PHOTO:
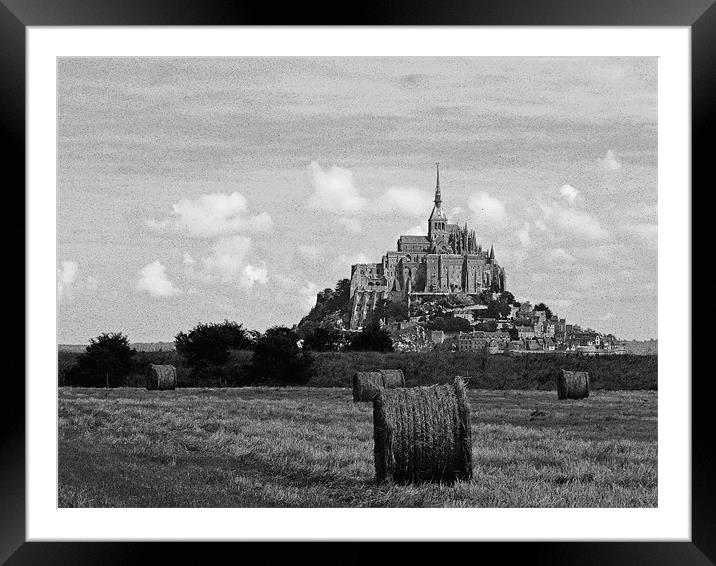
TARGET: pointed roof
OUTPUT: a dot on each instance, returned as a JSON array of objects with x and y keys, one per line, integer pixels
[
  {"x": 492, "y": 252},
  {"x": 437, "y": 213}
]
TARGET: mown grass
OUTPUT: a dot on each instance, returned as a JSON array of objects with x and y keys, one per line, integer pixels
[{"x": 313, "y": 447}]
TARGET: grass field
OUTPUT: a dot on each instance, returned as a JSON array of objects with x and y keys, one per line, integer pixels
[{"x": 313, "y": 447}]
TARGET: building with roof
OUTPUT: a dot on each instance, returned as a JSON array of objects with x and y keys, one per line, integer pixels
[{"x": 447, "y": 260}]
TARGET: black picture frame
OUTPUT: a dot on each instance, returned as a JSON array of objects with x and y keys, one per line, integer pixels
[{"x": 699, "y": 15}]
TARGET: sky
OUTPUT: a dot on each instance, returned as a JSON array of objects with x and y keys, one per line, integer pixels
[{"x": 202, "y": 189}]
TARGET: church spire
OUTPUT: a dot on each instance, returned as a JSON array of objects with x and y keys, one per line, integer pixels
[
  {"x": 437, "y": 223},
  {"x": 438, "y": 197}
]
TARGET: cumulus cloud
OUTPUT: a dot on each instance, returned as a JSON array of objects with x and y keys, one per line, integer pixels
[
  {"x": 342, "y": 261},
  {"x": 486, "y": 209},
  {"x": 212, "y": 215},
  {"x": 308, "y": 294},
  {"x": 408, "y": 201},
  {"x": 66, "y": 276},
  {"x": 253, "y": 274},
  {"x": 610, "y": 161},
  {"x": 569, "y": 193},
  {"x": 227, "y": 263},
  {"x": 523, "y": 234},
  {"x": 153, "y": 279},
  {"x": 557, "y": 255},
  {"x": 334, "y": 190},
  {"x": 573, "y": 221}
]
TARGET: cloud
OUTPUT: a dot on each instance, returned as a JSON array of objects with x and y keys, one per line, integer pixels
[
  {"x": 569, "y": 193},
  {"x": 227, "y": 263},
  {"x": 486, "y": 209},
  {"x": 308, "y": 294},
  {"x": 254, "y": 274},
  {"x": 212, "y": 215},
  {"x": 573, "y": 221},
  {"x": 346, "y": 261},
  {"x": 153, "y": 280},
  {"x": 404, "y": 200},
  {"x": 558, "y": 255},
  {"x": 607, "y": 316},
  {"x": 610, "y": 161},
  {"x": 523, "y": 234},
  {"x": 352, "y": 225},
  {"x": 66, "y": 276},
  {"x": 334, "y": 190}
]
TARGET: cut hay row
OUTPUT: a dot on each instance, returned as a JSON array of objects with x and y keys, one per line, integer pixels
[
  {"x": 366, "y": 384},
  {"x": 423, "y": 434},
  {"x": 161, "y": 377},
  {"x": 572, "y": 384}
]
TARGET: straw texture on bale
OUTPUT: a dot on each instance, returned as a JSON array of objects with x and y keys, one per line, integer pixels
[
  {"x": 572, "y": 384},
  {"x": 392, "y": 378},
  {"x": 161, "y": 377},
  {"x": 422, "y": 434},
  {"x": 366, "y": 385}
]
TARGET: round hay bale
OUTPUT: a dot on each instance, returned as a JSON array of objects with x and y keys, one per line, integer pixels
[
  {"x": 422, "y": 434},
  {"x": 392, "y": 378},
  {"x": 366, "y": 385},
  {"x": 161, "y": 378},
  {"x": 572, "y": 384}
]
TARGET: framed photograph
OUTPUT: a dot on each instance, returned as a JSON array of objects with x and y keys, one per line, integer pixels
[{"x": 400, "y": 278}]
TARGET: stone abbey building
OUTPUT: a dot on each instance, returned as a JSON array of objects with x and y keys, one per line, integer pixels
[{"x": 447, "y": 260}]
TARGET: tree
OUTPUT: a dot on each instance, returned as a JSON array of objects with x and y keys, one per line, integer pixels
[
  {"x": 278, "y": 359},
  {"x": 321, "y": 339},
  {"x": 210, "y": 343},
  {"x": 496, "y": 309},
  {"x": 371, "y": 338},
  {"x": 106, "y": 362},
  {"x": 387, "y": 311},
  {"x": 543, "y": 307}
]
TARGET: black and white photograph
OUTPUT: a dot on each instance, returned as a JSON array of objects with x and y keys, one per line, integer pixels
[{"x": 357, "y": 282}]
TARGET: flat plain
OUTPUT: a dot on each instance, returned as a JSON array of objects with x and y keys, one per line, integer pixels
[{"x": 313, "y": 447}]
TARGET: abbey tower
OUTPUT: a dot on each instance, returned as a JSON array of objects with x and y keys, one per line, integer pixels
[{"x": 447, "y": 260}]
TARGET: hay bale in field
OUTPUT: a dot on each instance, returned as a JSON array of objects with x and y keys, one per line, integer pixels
[
  {"x": 161, "y": 377},
  {"x": 392, "y": 378},
  {"x": 366, "y": 385},
  {"x": 572, "y": 384},
  {"x": 423, "y": 434}
]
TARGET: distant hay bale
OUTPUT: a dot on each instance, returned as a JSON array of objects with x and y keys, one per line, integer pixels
[
  {"x": 366, "y": 385},
  {"x": 572, "y": 384},
  {"x": 392, "y": 378},
  {"x": 422, "y": 434},
  {"x": 161, "y": 377}
]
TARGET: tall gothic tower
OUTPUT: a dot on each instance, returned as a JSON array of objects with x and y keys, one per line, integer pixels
[{"x": 437, "y": 223}]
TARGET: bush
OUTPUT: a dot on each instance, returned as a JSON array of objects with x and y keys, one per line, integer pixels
[
  {"x": 371, "y": 338},
  {"x": 106, "y": 362},
  {"x": 210, "y": 343},
  {"x": 278, "y": 359},
  {"x": 335, "y": 369}
]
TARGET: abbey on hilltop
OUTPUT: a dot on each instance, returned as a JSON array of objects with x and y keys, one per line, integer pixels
[{"x": 447, "y": 260}]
